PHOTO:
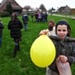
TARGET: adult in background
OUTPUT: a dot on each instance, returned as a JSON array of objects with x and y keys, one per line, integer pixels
[
  {"x": 25, "y": 20},
  {"x": 44, "y": 17},
  {"x": 32, "y": 16},
  {"x": 36, "y": 16},
  {"x": 15, "y": 27}
]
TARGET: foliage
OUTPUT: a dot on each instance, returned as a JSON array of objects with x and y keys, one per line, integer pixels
[
  {"x": 5, "y": 14},
  {"x": 50, "y": 10},
  {"x": 42, "y": 7},
  {"x": 22, "y": 64},
  {"x": 9, "y": 8},
  {"x": 27, "y": 8}
]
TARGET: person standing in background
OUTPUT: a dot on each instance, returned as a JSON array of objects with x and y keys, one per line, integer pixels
[
  {"x": 15, "y": 27},
  {"x": 25, "y": 20}
]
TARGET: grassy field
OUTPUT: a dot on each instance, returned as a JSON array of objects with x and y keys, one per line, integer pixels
[{"x": 24, "y": 66}]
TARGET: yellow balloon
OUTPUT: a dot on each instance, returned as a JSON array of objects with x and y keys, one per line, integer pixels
[{"x": 42, "y": 51}]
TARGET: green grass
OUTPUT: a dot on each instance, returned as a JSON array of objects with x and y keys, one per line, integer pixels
[{"x": 12, "y": 66}]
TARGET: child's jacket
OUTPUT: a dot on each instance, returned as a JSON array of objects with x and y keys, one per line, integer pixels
[
  {"x": 66, "y": 47},
  {"x": 15, "y": 28}
]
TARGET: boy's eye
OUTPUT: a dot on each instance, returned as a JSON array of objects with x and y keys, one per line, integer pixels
[
  {"x": 61, "y": 30},
  {"x": 64, "y": 30},
  {"x": 58, "y": 30}
]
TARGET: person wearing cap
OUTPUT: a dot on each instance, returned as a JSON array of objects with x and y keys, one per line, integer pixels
[{"x": 65, "y": 48}]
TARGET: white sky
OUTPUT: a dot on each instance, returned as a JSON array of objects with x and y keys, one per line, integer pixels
[{"x": 47, "y": 3}]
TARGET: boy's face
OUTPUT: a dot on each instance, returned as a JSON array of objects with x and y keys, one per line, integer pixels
[
  {"x": 51, "y": 24},
  {"x": 62, "y": 31}
]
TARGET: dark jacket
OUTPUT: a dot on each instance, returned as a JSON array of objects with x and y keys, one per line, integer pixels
[
  {"x": 15, "y": 28},
  {"x": 1, "y": 27},
  {"x": 25, "y": 19},
  {"x": 66, "y": 47}
]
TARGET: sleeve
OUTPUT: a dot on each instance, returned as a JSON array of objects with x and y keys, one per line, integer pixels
[
  {"x": 20, "y": 24},
  {"x": 71, "y": 59}
]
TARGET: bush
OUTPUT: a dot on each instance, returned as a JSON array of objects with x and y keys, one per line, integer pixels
[{"x": 5, "y": 14}]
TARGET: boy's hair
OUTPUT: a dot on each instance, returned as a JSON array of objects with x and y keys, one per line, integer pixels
[
  {"x": 51, "y": 24},
  {"x": 14, "y": 15},
  {"x": 63, "y": 22},
  {"x": 51, "y": 21}
]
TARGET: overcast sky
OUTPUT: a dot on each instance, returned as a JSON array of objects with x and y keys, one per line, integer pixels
[{"x": 47, "y": 3}]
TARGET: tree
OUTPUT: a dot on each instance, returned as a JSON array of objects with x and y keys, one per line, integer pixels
[
  {"x": 27, "y": 8},
  {"x": 9, "y": 8},
  {"x": 51, "y": 10},
  {"x": 42, "y": 7}
]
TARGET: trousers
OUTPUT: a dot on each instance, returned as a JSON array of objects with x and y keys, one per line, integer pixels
[
  {"x": 25, "y": 27},
  {"x": 16, "y": 48}
]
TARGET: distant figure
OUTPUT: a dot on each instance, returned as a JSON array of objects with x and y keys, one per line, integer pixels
[
  {"x": 39, "y": 16},
  {"x": 15, "y": 27},
  {"x": 25, "y": 20},
  {"x": 32, "y": 16},
  {"x": 36, "y": 16},
  {"x": 1, "y": 32},
  {"x": 44, "y": 17}
]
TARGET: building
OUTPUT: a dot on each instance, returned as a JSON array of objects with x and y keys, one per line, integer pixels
[
  {"x": 16, "y": 7},
  {"x": 72, "y": 10},
  {"x": 64, "y": 9}
]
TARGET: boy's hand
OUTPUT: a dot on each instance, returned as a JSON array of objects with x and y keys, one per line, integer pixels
[
  {"x": 44, "y": 32},
  {"x": 62, "y": 58}
]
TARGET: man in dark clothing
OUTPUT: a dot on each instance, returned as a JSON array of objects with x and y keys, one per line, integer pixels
[
  {"x": 1, "y": 32},
  {"x": 25, "y": 20},
  {"x": 15, "y": 27}
]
